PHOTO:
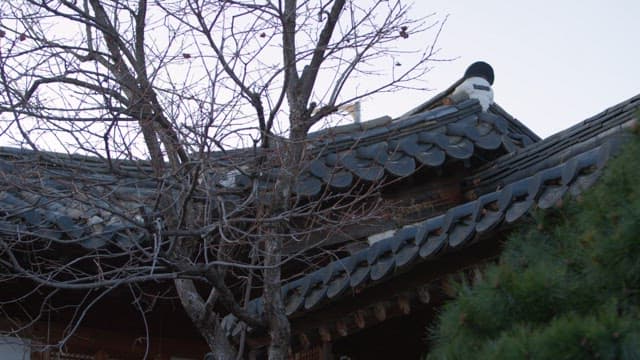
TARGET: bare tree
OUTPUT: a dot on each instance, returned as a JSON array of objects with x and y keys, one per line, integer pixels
[{"x": 220, "y": 97}]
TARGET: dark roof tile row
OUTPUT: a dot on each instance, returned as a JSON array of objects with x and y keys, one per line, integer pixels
[
  {"x": 458, "y": 227},
  {"x": 561, "y": 145},
  {"x": 120, "y": 191},
  {"x": 356, "y": 152}
]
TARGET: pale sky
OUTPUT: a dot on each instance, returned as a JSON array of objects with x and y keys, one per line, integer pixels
[{"x": 556, "y": 62}]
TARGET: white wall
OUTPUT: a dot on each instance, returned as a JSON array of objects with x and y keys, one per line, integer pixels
[{"x": 14, "y": 349}]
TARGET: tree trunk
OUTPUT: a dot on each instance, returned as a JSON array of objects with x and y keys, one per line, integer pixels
[
  {"x": 279, "y": 327},
  {"x": 207, "y": 322}
]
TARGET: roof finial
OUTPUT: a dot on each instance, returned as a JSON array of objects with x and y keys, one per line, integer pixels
[
  {"x": 476, "y": 84},
  {"x": 480, "y": 69}
]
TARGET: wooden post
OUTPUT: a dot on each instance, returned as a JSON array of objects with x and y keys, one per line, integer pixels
[
  {"x": 305, "y": 344},
  {"x": 253, "y": 354},
  {"x": 40, "y": 355},
  {"x": 101, "y": 355},
  {"x": 326, "y": 351}
]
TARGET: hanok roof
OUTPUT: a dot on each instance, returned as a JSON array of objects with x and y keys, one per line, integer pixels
[
  {"x": 538, "y": 175},
  {"x": 95, "y": 202}
]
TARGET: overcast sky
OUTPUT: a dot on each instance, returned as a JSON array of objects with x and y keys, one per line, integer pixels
[{"x": 556, "y": 62}]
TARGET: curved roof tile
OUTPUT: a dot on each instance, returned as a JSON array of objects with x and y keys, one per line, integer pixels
[
  {"x": 343, "y": 156},
  {"x": 455, "y": 228},
  {"x": 564, "y": 144},
  {"x": 400, "y": 147}
]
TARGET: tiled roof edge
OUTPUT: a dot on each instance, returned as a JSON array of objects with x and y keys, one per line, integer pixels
[
  {"x": 565, "y": 143},
  {"x": 458, "y": 227},
  {"x": 401, "y": 147}
]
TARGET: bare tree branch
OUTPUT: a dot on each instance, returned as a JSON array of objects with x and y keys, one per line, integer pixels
[{"x": 165, "y": 143}]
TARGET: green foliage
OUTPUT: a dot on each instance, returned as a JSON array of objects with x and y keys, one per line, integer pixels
[{"x": 566, "y": 287}]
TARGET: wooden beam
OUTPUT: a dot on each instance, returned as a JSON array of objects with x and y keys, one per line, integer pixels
[
  {"x": 325, "y": 334},
  {"x": 423, "y": 285},
  {"x": 379, "y": 311},
  {"x": 404, "y": 303},
  {"x": 88, "y": 340},
  {"x": 359, "y": 317},
  {"x": 341, "y": 328}
]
